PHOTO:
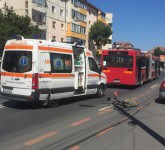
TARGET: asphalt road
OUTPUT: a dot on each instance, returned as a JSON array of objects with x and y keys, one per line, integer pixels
[{"x": 87, "y": 123}]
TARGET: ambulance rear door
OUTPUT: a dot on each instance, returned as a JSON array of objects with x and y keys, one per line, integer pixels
[{"x": 16, "y": 71}]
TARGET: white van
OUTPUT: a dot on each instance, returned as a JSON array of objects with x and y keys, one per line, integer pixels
[{"x": 43, "y": 71}]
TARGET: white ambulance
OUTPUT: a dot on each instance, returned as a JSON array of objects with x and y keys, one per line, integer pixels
[{"x": 43, "y": 71}]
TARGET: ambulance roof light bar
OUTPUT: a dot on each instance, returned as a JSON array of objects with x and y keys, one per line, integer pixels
[
  {"x": 78, "y": 43},
  {"x": 19, "y": 37}
]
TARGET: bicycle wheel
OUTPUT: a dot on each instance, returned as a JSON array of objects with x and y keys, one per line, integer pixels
[{"x": 129, "y": 103}]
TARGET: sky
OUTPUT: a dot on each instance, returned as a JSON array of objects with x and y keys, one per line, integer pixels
[{"x": 140, "y": 22}]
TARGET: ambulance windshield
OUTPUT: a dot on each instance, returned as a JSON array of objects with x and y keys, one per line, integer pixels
[{"x": 17, "y": 61}]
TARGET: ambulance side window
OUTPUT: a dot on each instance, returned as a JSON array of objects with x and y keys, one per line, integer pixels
[
  {"x": 61, "y": 63},
  {"x": 92, "y": 65}
]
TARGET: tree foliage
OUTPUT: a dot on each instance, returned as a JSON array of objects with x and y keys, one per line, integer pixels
[
  {"x": 100, "y": 32},
  {"x": 158, "y": 52},
  {"x": 12, "y": 25}
]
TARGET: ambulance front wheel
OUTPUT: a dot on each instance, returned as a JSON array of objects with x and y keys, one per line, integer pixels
[{"x": 100, "y": 90}]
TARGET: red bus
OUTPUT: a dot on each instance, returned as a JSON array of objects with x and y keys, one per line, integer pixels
[{"x": 129, "y": 66}]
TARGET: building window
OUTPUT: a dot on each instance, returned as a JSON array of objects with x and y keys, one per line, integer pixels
[
  {"x": 26, "y": 4},
  {"x": 53, "y": 38},
  {"x": 89, "y": 11},
  {"x": 79, "y": 3},
  {"x": 78, "y": 16},
  {"x": 40, "y": 2},
  {"x": 26, "y": 12},
  {"x": 62, "y": 39},
  {"x": 54, "y": 24},
  {"x": 53, "y": 9},
  {"x": 62, "y": 26},
  {"x": 38, "y": 16},
  {"x": 61, "y": 12},
  {"x": 78, "y": 29}
]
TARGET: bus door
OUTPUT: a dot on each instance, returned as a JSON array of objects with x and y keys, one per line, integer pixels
[
  {"x": 142, "y": 69},
  {"x": 138, "y": 69}
]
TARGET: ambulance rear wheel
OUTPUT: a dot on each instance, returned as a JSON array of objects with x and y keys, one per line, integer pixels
[{"x": 100, "y": 90}]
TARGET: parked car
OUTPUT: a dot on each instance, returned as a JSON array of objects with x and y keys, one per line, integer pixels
[{"x": 162, "y": 90}]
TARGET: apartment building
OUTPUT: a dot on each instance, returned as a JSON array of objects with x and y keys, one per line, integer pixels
[
  {"x": 61, "y": 20},
  {"x": 35, "y": 9},
  {"x": 76, "y": 21},
  {"x": 108, "y": 18},
  {"x": 56, "y": 20},
  {"x": 92, "y": 17}
]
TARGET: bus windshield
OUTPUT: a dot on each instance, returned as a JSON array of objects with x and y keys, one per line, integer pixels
[{"x": 118, "y": 61}]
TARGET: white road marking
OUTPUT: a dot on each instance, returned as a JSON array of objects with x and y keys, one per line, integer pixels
[
  {"x": 1, "y": 106},
  {"x": 104, "y": 108},
  {"x": 154, "y": 86}
]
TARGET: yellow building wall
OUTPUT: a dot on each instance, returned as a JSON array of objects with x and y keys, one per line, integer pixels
[
  {"x": 102, "y": 19},
  {"x": 83, "y": 24},
  {"x": 83, "y": 11}
]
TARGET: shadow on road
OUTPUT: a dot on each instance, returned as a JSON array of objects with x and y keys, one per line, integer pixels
[
  {"x": 160, "y": 101},
  {"x": 29, "y": 105},
  {"x": 135, "y": 121},
  {"x": 20, "y": 105}
]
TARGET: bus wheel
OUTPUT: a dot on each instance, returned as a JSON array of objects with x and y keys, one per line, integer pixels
[{"x": 100, "y": 90}]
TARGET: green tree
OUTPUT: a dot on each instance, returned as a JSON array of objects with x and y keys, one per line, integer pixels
[
  {"x": 12, "y": 25},
  {"x": 99, "y": 33},
  {"x": 158, "y": 52}
]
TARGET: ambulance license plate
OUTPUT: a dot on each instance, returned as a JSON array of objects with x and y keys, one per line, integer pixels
[{"x": 7, "y": 90}]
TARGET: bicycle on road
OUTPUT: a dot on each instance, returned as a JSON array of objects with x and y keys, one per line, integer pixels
[{"x": 122, "y": 103}]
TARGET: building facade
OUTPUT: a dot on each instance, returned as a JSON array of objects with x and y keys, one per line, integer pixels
[
  {"x": 109, "y": 18},
  {"x": 92, "y": 17},
  {"x": 76, "y": 21},
  {"x": 56, "y": 20},
  {"x": 61, "y": 20},
  {"x": 35, "y": 9}
]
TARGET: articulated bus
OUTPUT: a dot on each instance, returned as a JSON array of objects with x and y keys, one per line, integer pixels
[{"x": 129, "y": 66}]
